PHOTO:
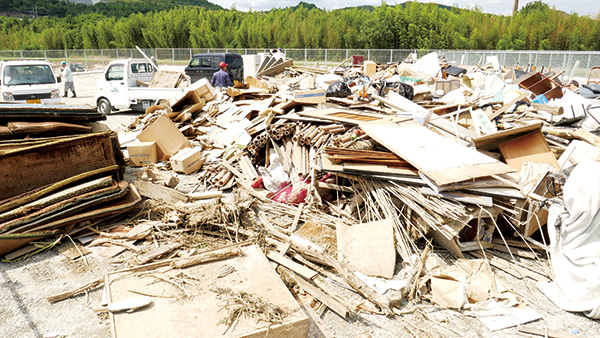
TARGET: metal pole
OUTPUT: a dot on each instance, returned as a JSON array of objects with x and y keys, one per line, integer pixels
[
  {"x": 85, "y": 58},
  {"x": 102, "y": 55},
  {"x": 369, "y": 54},
  {"x": 66, "y": 56},
  {"x": 391, "y": 55},
  {"x": 173, "y": 52},
  {"x": 45, "y": 56},
  {"x": 325, "y": 57}
]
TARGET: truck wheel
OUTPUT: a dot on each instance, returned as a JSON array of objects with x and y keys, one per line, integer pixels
[{"x": 104, "y": 106}]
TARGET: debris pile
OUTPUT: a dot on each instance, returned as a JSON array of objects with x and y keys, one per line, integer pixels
[
  {"x": 338, "y": 175},
  {"x": 57, "y": 184}
]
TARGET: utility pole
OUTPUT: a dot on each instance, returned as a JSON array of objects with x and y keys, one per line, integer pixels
[{"x": 515, "y": 7}]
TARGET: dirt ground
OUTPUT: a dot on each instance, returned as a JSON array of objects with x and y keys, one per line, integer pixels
[{"x": 25, "y": 312}]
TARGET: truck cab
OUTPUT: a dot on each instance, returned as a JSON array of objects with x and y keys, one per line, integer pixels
[
  {"x": 116, "y": 89},
  {"x": 28, "y": 81}
]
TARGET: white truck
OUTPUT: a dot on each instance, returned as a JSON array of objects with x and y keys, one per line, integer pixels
[
  {"x": 120, "y": 88},
  {"x": 28, "y": 81}
]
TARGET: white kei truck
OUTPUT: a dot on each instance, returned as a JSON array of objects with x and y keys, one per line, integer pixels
[
  {"x": 28, "y": 81},
  {"x": 119, "y": 88}
]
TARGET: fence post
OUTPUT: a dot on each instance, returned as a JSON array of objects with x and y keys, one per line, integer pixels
[
  {"x": 85, "y": 58},
  {"x": 46, "y": 55},
  {"x": 173, "y": 53},
  {"x": 346, "y": 54},
  {"x": 66, "y": 56},
  {"x": 391, "y": 55},
  {"x": 325, "y": 57},
  {"x": 589, "y": 61},
  {"x": 102, "y": 55},
  {"x": 305, "y": 57}
]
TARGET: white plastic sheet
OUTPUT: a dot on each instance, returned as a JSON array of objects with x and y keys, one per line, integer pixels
[{"x": 575, "y": 246}]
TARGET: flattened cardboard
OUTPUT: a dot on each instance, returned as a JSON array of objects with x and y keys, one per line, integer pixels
[
  {"x": 369, "y": 68},
  {"x": 142, "y": 153},
  {"x": 369, "y": 247},
  {"x": 168, "y": 138},
  {"x": 199, "y": 314}
]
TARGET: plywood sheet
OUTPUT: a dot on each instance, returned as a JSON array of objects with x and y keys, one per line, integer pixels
[
  {"x": 369, "y": 247},
  {"x": 440, "y": 159},
  {"x": 198, "y": 315}
]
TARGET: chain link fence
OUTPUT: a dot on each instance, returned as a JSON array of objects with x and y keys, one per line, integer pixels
[{"x": 95, "y": 59}]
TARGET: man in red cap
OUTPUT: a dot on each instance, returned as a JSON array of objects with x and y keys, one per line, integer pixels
[{"x": 222, "y": 78}]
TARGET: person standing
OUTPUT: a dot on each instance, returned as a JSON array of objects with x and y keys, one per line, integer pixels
[
  {"x": 222, "y": 78},
  {"x": 67, "y": 77}
]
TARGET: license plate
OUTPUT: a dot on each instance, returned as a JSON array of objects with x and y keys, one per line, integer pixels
[
  {"x": 34, "y": 101},
  {"x": 146, "y": 103}
]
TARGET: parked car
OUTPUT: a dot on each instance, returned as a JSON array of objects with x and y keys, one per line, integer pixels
[
  {"x": 206, "y": 64},
  {"x": 77, "y": 67},
  {"x": 28, "y": 81}
]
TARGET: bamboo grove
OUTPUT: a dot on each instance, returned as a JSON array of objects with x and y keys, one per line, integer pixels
[{"x": 409, "y": 26}]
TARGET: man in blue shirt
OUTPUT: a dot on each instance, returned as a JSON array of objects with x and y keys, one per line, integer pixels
[{"x": 222, "y": 78}]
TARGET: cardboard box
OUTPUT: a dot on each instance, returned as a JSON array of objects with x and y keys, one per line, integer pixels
[
  {"x": 310, "y": 96},
  {"x": 370, "y": 68},
  {"x": 168, "y": 138},
  {"x": 142, "y": 153},
  {"x": 203, "y": 89},
  {"x": 187, "y": 160}
]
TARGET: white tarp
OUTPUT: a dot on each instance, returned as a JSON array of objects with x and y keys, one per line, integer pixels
[{"x": 575, "y": 243}]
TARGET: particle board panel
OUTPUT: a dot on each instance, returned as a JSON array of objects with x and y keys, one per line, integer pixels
[
  {"x": 492, "y": 141},
  {"x": 530, "y": 147},
  {"x": 198, "y": 314},
  {"x": 440, "y": 159}
]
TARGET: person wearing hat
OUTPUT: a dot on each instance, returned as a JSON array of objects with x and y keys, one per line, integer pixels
[
  {"x": 67, "y": 78},
  {"x": 222, "y": 78}
]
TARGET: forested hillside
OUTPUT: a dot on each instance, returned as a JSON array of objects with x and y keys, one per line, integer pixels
[
  {"x": 121, "y": 8},
  {"x": 416, "y": 26}
]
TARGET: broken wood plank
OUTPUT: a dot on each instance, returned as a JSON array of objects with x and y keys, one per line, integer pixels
[
  {"x": 159, "y": 192},
  {"x": 290, "y": 264},
  {"x": 143, "y": 259},
  {"x": 320, "y": 295}
]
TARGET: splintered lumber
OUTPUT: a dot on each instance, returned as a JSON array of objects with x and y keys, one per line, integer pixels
[
  {"x": 210, "y": 256},
  {"x": 290, "y": 264},
  {"x": 440, "y": 159},
  {"x": 158, "y": 252},
  {"x": 317, "y": 293},
  {"x": 52, "y": 161},
  {"x": 160, "y": 192},
  {"x": 338, "y": 155},
  {"x": 512, "y": 269},
  {"x": 585, "y": 135}
]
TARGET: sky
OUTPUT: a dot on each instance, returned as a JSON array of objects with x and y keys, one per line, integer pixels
[{"x": 500, "y": 7}]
